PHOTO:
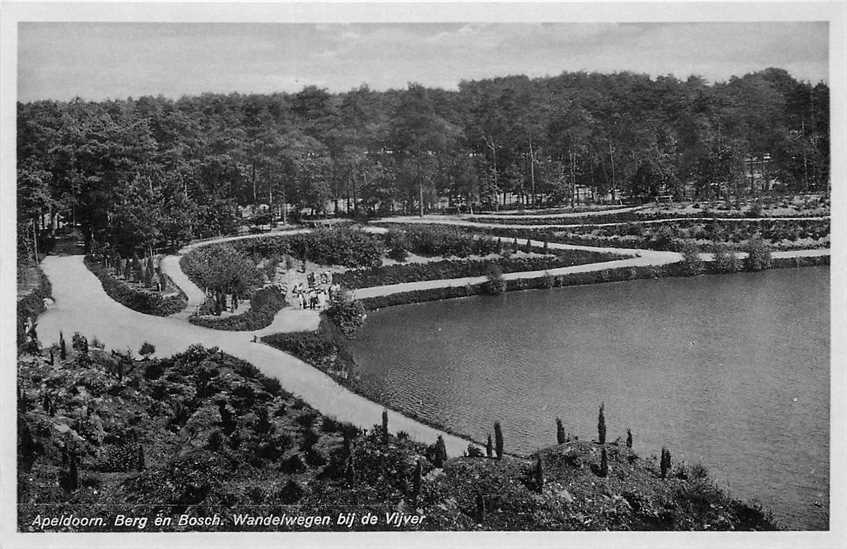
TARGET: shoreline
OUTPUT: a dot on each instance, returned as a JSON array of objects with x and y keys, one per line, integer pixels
[{"x": 363, "y": 391}]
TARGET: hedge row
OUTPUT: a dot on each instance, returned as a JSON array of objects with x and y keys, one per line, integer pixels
[
  {"x": 572, "y": 279},
  {"x": 442, "y": 241},
  {"x": 144, "y": 301},
  {"x": 622, "y": 217},
  {"x": 336, "y": 246},
  {"x": 439, "y": 270},
  {"x": 264, "y": 305},
  {"x": 32, "y": 305}
]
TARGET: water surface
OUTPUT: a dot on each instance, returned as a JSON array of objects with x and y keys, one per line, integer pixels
[{"x": 731, "y": 371}]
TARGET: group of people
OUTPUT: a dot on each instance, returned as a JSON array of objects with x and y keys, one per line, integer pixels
[{"x": 318, "y": 291}]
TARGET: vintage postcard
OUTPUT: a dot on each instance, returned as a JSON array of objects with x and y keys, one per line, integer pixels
[{"x": 288, "y": 273}]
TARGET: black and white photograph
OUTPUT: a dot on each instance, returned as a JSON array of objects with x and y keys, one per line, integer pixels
[{"x": 310, "y": 269}]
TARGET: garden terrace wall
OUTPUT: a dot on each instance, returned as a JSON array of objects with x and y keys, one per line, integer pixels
[
  {"x": 439, "y": 270},
  {"x": 265, "y": 303},
  {"x": 144, "y": 301}
]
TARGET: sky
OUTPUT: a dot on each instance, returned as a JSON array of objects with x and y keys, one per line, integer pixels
[{"x": 117, "y": 60}]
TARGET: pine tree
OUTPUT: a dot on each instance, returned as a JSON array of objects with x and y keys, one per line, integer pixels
[
  {"x": 385, "y": 427},
  {"x": 629, "y": 439},
  {"x": 560, "y": 432},
  {"x": 601, "y": 425},
  {"x": 498, "y": 439},
  {"x": 489, "y": 447}
]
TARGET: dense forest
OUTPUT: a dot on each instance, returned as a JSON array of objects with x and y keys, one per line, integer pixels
[{"x": 148, "y": 172}]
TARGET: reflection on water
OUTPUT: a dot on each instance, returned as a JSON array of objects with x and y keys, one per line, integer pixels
[{"x": 731, "y": 371}]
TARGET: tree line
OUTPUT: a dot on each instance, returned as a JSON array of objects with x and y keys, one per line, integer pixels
[{"x": 152, "y": 171}]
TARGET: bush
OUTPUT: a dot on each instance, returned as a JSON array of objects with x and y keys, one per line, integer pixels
[
  {"x": 758, "y": 255},
  {"x": 495, "y": 284},
  {"x": 347, "y": 314},
  {"x": 138, "y": 299},
  {"x": 441, "y": 270},
  {"x": 691, "y": 262},
  {"x": 264, "y": 305},
  {"x": 398, "y": 254},
  {"x": 327, "y": 246},
  {"x": 725, "y": 260}
]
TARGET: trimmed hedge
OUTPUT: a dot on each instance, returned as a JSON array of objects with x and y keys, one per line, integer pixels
[
  {"x": 143, "y": 301},
  {"x": 264, "y": 305},
  {"x": 32, "y": 305},
  {"x": 335, "y": 246},
  {"x": 439, "y": 270},
  {"x": 573, "y": 279}
]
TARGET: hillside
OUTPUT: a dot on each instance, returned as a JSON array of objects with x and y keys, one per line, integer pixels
[{"x": 206, "y": 435}]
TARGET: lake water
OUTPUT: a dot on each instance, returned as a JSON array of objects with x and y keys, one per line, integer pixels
[{"x": 731, "y": 371}]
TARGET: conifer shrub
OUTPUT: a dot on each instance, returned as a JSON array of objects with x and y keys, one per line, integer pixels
[
  {"x": 498, "y": 440},
  {"x": 601, "y": 426}
]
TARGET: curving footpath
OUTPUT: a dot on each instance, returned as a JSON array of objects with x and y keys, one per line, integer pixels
[{"x": 82, "y": 306}]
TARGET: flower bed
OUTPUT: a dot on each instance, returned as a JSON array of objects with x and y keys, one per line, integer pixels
[
  {"x": 142, "y": 300},
  {"x": 265, "y": 303},
  {"x": 416, "y": 272}
]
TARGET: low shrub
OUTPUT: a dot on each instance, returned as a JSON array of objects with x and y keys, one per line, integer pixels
[
  {"x": 440, "y": 270},
  {"x": 264, "y": 305},
  {"x": 142, "y": 300},
  {"x": 758, "y": 255},
  {"x": 691, "y": 262},
  {"x": 30, "y": 306},
  {"x": 725, "y": 260},
  {"x": 496, "y": 284}
]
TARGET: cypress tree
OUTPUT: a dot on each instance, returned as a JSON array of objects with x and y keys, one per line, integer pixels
[
  {"x": 560, "y": 432},
  {"x": 440, "y": 452},
  {"x": 489, "y": 447},
  {"x": 498, "y": 439},
  {"x": 604, "y": 462},
  {"x": 52, "y": 359},
  {"x": 665, "y": 462},
  {"x": 140, "y": 458},
  {"x": 538, "y": 475},
  {"x": 418, "y": 480},
  {"x": 601, "y": 425},
  {"x": 546, "y": 246},
  {"x": 63, "y": 351},
  {"x": 480, "y": 508},
  {"x": 629, "y": 439},
  {"x": 385, "y": 427},
  {"x": 528, "y": 246},
  {"x": 515, "y": 244}
]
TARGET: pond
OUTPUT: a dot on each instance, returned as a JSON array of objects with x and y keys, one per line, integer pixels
[{"x": 729, "y": 371}]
